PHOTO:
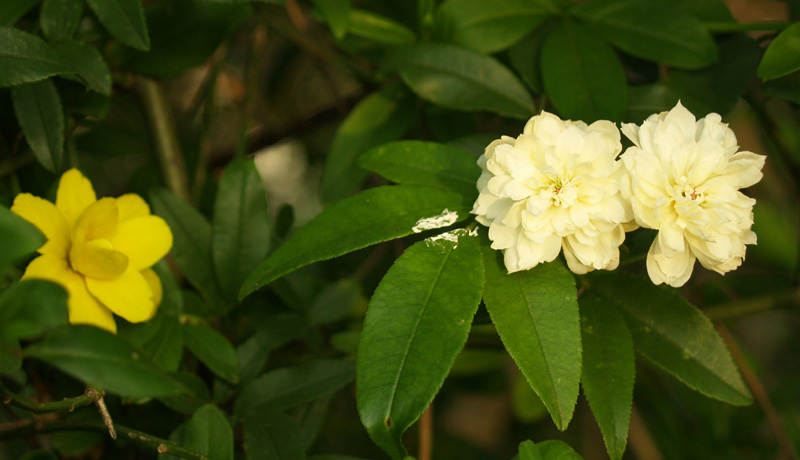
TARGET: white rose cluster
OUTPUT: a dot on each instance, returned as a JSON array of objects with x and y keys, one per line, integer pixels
[{"x": 560, "y": 186}]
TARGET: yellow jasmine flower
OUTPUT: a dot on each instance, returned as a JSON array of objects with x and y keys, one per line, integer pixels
[{"x": 101, "y": 251}]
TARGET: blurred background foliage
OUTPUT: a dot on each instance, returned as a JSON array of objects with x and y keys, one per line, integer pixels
[{"x": 168, "y": 93}]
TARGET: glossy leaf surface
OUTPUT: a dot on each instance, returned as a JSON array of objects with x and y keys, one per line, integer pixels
[
  {"x": 491, "y": 26},
  {"x": 461, "y": 79},
  {"x": 608, "y": 370},
  {"x": 286, "y": 387},
  {"x": 536, "y": 314},
  {"x": 372, "y": 216},
  {"x": 241, "y": 228},
  {"x": 674, "y": 335},
  {"x": 102, "y": 359},
  {"x": 417, "y": 322},
  {"x": 39, "y": 112},
  {"x": 582, "y": 75},
  {"x": 425, "y": 163},
  {"x": 652, "y": 30}
]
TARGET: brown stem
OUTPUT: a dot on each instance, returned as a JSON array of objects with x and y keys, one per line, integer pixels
[
  {"x": 759, "y": 392},
  {"x": 641, "y": 441},
  {"x": 426, "y": 434},
  {"x": 162, "y": 128}
]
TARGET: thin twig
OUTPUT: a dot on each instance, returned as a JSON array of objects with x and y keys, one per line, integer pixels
[
  {"x": 67, "y": 404},
  {"x": 162, "y": 446},
  {"x": 97, "y": 395},
  {"x": 743, "y": 307},
  {"x": 759, "y": 392},
  {"x": 11, "y": 165},
  {"x": 426, "y": 434},
  {"x": 162, "y": 128},
  {"x": 726, "y": 27},
  {"x": 641, "y": 441}
]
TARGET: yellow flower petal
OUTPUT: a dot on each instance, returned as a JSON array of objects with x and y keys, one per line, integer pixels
[
  {"x": 75, "y": 194},
  {"x": 83, "y": 308},
  {"x": 46, "y": 217},
  {"x": 98, "y": 259},
  {"x": 132, "y": 205},
  {"x": 155, "y": 285},
  {"x": 99, "y": 220},
  {"x": 128, "y": 295},
  {"x": 144, "y": 240}
]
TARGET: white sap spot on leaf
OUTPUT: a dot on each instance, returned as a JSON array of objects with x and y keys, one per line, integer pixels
[{"x": 444, "y": 219}]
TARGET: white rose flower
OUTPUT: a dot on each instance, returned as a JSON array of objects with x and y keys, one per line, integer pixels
[
  {"x": 555, "y": 186},
  {"x": 685, "y": 177}
]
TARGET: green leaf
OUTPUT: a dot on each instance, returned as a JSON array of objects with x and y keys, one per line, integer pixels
[
  {"x": 557, "y": 450},
  {"x": 334, "y": 457},
  {"x": 335, "y": 302},
  {"x": 208, "y": 432},
  {"x": 706, "y": 10},
  {"x": 651, "y": 29},
  {"x": 582, "y": 75},
  {"x": 377, "y": 28},
  {"x": 27, "y": 58},
  {"x": 278, "y": 330},
  {"x": 19, "y": 237},
  {"x": 90, "y": 67},
  {"x": 529, "y": 451},
  {"x": 38, "y": 109},
  {"x": 645, "y": 100},
  {"x": 30, "y": 307},
  {"x": 184, "y": 34},
  {"x": 213, "y": 350},
  {"x": 191, "y": 246},
  {"x": 102, "y": 359},
  {"x": 13, "y": 11},
  {"x": 782, "y": 56},
  {"x": 536, "y": 314},
  {"x": 59, "y": 19},
  {"x": 525, "y": 58},
  {"x": 425, "y": 163},
  {"x": 189, "y": 401},
  {"x": 608, "y": 370},
  {"x": 717, "y": 88},
  {"x": 460, "y": 79},
  {"x": 488, "y": 27},
  {"x": 416, "y": 324},
  {"x": 165, "y": 348},
  {"x": 124, "y": 19},
  {"x": 10, "y": 356},
  {"x": 373, "y": 216},
  {"x": 286, "y": 387},
  {"x": 674, "y": 335},
  {"x": 379, "y": 118},
  {"x": 273, "y": 435},
  {"x": 337, "y": 15},
  {"x": 241, "y": 230}
]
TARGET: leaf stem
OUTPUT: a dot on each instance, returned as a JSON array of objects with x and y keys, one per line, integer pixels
[
  {"x": 67, "y": 404},
  {"x": 162, "y": 128},
  {"x": 744, "y": 307},
  {"x": 725, "y": 27},
  {"x": 162, "y": 446}
]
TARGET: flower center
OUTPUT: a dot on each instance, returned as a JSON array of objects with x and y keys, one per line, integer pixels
[{"x": 561, "y": 193}]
